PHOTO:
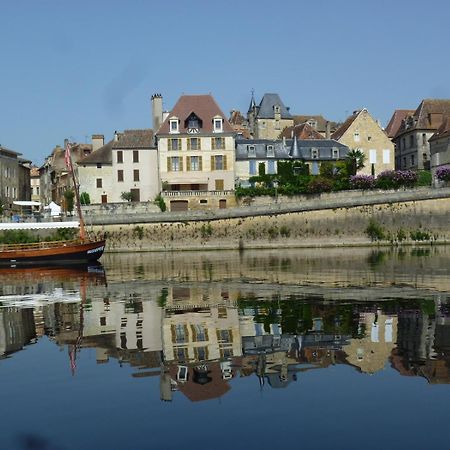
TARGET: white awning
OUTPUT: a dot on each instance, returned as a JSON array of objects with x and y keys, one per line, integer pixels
[
  {"x": 37, "y": 225},
  {"x": 26, "y": 203}
]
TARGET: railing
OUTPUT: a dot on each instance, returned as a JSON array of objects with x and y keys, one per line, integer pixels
[
  {"x": 38, "y": 245},
  {"x": 196, "y": 193}
]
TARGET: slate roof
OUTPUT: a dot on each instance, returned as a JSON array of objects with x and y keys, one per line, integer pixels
[
  {"x": 204, "y": 106},
  {"x": 8, "y": 152},
  {"x": 301, "y": 131},
  {"x": 284, "y": 150},
  {"x": 443, "y": 130},
  {"x": 101, "y": 156},
  {"x": 429, "y": 115},
  {"x": 135, "y": 139},
  {"x": 266, "y": 107},
  {"x": 396, "y": 121}
]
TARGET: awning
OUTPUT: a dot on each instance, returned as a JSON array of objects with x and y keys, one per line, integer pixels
[
  {"x": 37, "y": 225},
  {"x": 26, "y": 203}
]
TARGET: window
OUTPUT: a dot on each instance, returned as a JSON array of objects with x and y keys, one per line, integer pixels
[
  {"x": 174, "y": 144},
  {"x": 135, "y": 156},
  {"x": 218, "y": 162},
  {"x": 199, "y": 333},
  {"x": 335, "y": 153},
  {"x": 252, "y": 167},
  {"x": 173, "y": 125},
  {"x": 356, "y": 137},
  {"x": 136, "y": 175},
  {"x": 180, "y": 333},
  {"x": 99, "y": 182},
  {"x": 99, "y": 165},
  {"x": 119, "y": 156},
  {"x": 270, "y": 151},
  {"x": 369, "y": 138},
  {"x": 271, "y": 167},
  {"x": 251, "y": 151},
  {"x": 193, "y": 144},
  {"x": 372, "y": 156},
  {"x": 404, "y": 162},
  {"x": 277, "y": 109},
  {"x": 174, "y": 164},
  {"x": 314, "y": 153},
  {"x": 412, "y": 160},
  {"x": 194, "y": 163},
  {"x": 411, "y": 140},
  {"x": 120, "y": 175},
  {"x": 277, "y": 125},
  {"x": 424, "y": 157},
  {"x": 217, "y": 143},
  {"x": 424, "y": 139},
  {"x": 386, "y": 156},
  {"x": 219, "y": 186},
  {"x": 218, "y": 125}
]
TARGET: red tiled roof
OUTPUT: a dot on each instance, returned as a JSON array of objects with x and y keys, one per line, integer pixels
[
  {"x": 302, "y": 131},
  {"x": 204, "y": 106},
  {"x": 396, "y": 121}
]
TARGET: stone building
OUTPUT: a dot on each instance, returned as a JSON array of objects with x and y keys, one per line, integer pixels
[
  {"x": 270, "y": 118},
  {"x": 440, "y": 147},
  {"x": 252, "y": 153},
  {"x": 411, "y": 140},
  {"x": 128, "y": 163},
  {"x": 35, "y": 182},
  {"x": 196, "y": 155},
  {"x": 9, "y": 177},
  {"x": 362, "y": 132}
]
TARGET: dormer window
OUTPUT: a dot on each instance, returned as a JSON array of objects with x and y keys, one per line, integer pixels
[
  {"x": 251, "y": 151},
  {"x": 335, "y": 152},
  {"x": 314, "y": 153},
  {"x": 277, "y": 109},
  {"x": 270, "y": 151},
  {"x": 174, "y": 125},
  {"x": 312, "y": 123},
  {"x": 193, "y": 123},
  {"x": 218, "y": 124}
]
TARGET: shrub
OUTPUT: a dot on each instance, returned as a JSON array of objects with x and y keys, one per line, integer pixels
[
  {"x": 69, "y": 195},
  {"x": 393, "y": 179},
  {"x": 420, "y": 235},
  {"x": 160, "y": 202},
  {"x": 85, "y": 199},
  {"x": 273, "y": 232},
  {"x": 362, "y": 182},
  {"x": 138, "y": 232},
  {"x": 206, "y": 230},
  {"x": 375, "y": 231},
  {"x": 285, "y": 231},
  {"x": 424, "y": 178},
  {"x": 401, "y": 235},
  {"x": 443, "y": 173},
  {"x": 318, "y": 185},
  {"x": 126, "y": 196}
]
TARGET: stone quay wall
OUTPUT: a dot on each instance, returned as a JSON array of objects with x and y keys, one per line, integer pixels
[{"x": 338, "y": 219}]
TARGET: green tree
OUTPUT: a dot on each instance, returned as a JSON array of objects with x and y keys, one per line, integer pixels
[
  {"x": 85, "y": 199},
  {"x": 69, "y": 195},
  {"x": 355, "y": 160},
  {"x": 126, "y": 196}
]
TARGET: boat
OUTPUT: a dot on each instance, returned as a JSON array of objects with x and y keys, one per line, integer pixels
[{"x": 84, "y": 249}]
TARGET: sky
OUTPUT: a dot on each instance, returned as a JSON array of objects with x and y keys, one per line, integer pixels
[{"x": 70, "y": 69}]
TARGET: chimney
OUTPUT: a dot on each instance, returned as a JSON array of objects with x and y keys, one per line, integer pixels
[
  {"x": 328, "y": 130},
  {"x": 157, "y": 111},
  {"x": 116, "y": 136},
  {"x": 98, "y": 140}
]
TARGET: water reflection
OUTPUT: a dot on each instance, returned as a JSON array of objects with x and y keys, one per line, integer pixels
[{"x": 273, "y": 318}]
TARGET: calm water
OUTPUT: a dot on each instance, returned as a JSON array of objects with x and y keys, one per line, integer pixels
[{"x": 303, "y": 349}]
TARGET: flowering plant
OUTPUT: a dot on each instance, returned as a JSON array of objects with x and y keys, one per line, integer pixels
[
  {"x": 443, "y": 173},
  {"x": 362, "y": 181},
  {"x": 393, "y": 179}
]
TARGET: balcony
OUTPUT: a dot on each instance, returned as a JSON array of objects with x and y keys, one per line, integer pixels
[{"x": 181, "y": 194}]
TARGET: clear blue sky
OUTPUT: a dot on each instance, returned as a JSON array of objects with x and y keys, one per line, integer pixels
[{"x": 76, "y": 68}]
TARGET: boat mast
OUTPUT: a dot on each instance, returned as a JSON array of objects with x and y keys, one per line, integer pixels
[{"x": 76, "y": 188}]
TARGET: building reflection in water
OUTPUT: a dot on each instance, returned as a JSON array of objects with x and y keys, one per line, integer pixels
[{"x": 198, "y": 338}]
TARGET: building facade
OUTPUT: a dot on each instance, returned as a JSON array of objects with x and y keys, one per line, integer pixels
[
  {"x": 362, "y": 132},
  {"x": 196, "y": 155},
  {"x": 440, "y": 147},
  {"x": 411, "y": 140},
  {"x": 9, "y": 177}
]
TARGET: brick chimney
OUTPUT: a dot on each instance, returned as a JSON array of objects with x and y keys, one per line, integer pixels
[{"x": 157, "y": 111}]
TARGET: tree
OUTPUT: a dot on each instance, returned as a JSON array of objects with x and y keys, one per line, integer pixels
[
  {"x": 85, "y": 199},
  {"x": 126, "y": 196},
  {"x": 355, "y": 161},
  {"x": 69, "y": 195}
]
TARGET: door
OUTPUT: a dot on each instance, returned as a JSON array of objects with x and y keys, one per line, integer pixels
[
  {"x": 222, "y": 204},
  {"x": 104, "y": 198},
  {"x": 179, "y": 205},
  {"x": 135, "y": 195},
  {"x": 219, "y": 185}
]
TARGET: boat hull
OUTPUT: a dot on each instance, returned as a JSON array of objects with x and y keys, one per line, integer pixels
[{"x": 70, "y": 253}]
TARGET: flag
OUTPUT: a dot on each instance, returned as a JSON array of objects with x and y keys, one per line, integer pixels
[{"x": 68, "y": 158}]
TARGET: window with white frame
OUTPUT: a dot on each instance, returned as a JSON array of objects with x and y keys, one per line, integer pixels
[
  {"x": 335, "y": 153},
  {"x": 218, "y": 124},
  {"x": 270, "y": 151},
  {"x": 195, "y": 163},
  {"x": 251, "y": 151},
  {"x": 372, "y": 156},
  {"x": 356, "y": 137},
  {"x": 386, "y": 156},
  {"x": 174, "y": 125},
  {"x": 314, "y": 153},
  {"x": 174, "y": 164}
]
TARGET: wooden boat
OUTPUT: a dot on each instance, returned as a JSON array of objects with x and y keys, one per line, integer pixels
[{"x": 81, "y": 250}]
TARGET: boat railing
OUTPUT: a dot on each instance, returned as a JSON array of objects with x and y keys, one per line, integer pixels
[{"x": 38, "y": 245}]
